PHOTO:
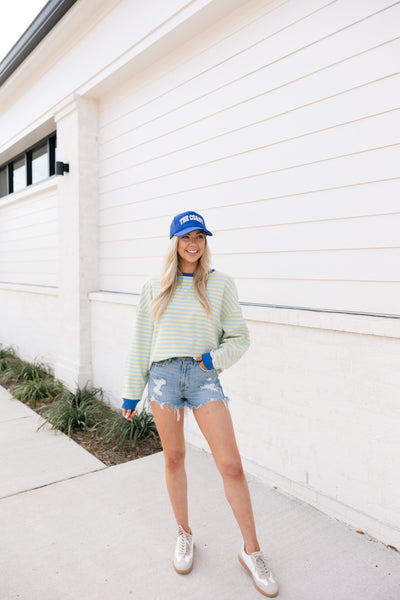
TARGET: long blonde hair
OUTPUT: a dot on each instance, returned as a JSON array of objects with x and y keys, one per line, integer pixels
[{"x": 170, "y": 279}]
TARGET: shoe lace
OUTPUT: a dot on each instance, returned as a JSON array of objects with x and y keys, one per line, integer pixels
[
  {"x": 261, "y": 563},
  {"x": 184, "y": 541}
]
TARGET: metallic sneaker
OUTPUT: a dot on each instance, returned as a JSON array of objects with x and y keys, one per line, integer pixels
[
  {"x": 183, "y": 556},
  {"x": 257, "y": 566}
]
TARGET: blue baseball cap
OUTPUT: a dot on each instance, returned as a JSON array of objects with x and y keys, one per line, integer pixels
[{"x": 186, "y": 222}]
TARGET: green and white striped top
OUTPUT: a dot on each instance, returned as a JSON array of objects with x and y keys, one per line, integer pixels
[{"x": 185, "y": 330}]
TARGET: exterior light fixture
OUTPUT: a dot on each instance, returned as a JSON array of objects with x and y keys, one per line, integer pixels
[{"x": 61, "y": 168}]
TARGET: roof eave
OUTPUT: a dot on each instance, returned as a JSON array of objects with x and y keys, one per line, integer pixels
[{"x": 48, "y": 17}]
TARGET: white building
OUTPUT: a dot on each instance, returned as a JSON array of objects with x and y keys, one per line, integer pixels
[{"x": 279, "y": 121}]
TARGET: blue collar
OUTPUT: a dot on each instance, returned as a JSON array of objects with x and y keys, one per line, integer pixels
[{"x": 191, "y": 274}]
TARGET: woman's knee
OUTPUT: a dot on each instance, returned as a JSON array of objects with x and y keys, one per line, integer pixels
[
  {"x": 231, "y": 467},
  {"x": 174, "y": 459}
]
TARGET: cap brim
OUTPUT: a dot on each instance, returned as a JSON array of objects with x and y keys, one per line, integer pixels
[{"x": 192, "y": 228}]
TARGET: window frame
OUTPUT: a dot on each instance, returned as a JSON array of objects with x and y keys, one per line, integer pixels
[{"x": 51, "y": 144}]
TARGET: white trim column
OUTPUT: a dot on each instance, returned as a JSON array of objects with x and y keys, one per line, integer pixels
[{"x": 77, "y": 197}]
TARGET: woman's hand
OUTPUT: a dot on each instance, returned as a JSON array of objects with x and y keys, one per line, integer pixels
[
  {"x": 128, "y": 414},
  {"x": 200, "y": 360}
]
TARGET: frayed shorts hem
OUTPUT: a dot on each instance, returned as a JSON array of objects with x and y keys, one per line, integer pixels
[{"x": 186, "y": 407}]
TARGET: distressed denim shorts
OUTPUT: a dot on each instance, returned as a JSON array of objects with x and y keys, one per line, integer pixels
[{"x": 181, "y": 382}]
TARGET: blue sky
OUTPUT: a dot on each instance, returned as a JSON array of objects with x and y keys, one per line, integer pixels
[{"x": 17, "y": 15}]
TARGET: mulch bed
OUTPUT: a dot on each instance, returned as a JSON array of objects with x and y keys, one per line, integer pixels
[
  {"x": 108, "y": 454},
  {"x": 113, "y": 455}
]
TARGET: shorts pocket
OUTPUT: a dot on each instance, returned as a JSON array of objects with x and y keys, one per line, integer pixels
[{"x": 204, "y": 370}]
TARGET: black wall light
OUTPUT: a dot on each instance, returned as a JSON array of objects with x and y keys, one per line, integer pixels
[{"x": 61, "y": 168}]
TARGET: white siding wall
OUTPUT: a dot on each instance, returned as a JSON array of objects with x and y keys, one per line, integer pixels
[
  {"x": 29, "y": 236},
  {"x": 281, "y": 125},
  {"x": 29, "y": 310},
  {"x": 29, "y": 321}
]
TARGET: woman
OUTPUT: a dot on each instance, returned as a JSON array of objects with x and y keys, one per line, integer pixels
[{"x": 189, "y": 327}]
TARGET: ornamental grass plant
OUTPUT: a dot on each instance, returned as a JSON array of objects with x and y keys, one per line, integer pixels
[
  {"x": 29, "y": 382},
  {"x": 26, "y": 371},
  {"x": 38, "y": 391},
  {"x": 120, "y": 431},
  {"x": 4, "y": 365},
  {"x": 6, "y": 352},
  {"x": 17, "y": 371},
  {"x": 83, "y": 409},
  {"x": 8, "y": 360}
]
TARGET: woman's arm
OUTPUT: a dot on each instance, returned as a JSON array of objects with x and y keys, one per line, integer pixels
[
  {"x": 138, "y": 361},
  {"x": 235, "y": 338}
]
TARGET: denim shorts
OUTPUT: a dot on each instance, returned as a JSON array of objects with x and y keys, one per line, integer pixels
[{"x": 181, "y": 382}]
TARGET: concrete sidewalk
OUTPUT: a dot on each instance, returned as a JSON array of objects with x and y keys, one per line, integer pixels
[{"x": 72, "y": 528}]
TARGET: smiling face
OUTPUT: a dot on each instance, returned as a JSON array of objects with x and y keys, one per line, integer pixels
[{"x": 190, "y": 248}]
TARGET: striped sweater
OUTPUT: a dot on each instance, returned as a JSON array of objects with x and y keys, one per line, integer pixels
[{"x": 185, "y": 330}]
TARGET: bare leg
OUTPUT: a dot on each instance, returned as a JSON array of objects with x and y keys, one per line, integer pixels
[
  {"x": 173, "y": 442},
  {"x": 215, "y": 422}
]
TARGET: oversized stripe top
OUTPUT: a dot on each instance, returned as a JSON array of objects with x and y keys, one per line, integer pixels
[{"x": 185, "y": 329}]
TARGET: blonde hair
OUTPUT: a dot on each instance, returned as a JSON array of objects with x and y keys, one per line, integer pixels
[{"x": 170, "y": 279}]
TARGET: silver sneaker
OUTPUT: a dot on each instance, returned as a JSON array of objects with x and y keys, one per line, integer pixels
[
  {"x": 257, "y": 566},
  {"x": 183, "y": 556}
]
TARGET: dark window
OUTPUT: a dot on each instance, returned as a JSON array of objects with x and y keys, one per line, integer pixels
[
  {"x": 35, "y": 165},
  {"x": 3, "y": 181}
]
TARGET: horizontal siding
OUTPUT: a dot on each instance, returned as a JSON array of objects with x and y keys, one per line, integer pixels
[
  {"x": 380, "y": 231},
  {"x": 281, "y": 125},
  {"x": 247, "y": 155},
  {"x": 29, "y": 240},
  {"x": 253, "y": 61},
  {"x": 325, "y": 295},
  {"x": 358, "y": 265},
  {"x": 249, "y": 127}
]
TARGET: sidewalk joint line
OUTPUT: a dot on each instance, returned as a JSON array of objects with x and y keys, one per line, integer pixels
[
  {"x": 17, "y": 418},
  {"x": 39, "y": 487}
]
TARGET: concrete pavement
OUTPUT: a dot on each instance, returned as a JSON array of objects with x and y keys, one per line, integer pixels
[{"x": 72, "y": 528}]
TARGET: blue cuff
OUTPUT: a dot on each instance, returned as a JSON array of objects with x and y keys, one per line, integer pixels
[
  {"x": 129, "y": 404},
  {"x": 207, "y": 361}
]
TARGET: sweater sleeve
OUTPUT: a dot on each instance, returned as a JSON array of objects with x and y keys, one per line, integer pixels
[
  {"x": 138, "y": 361},
  {"x": 129, "y": 404},
  {"x": 235, "y": 338}
]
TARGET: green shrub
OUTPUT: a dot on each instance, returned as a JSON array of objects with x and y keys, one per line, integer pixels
[
  {"x": 9, "y": 369},
  {"x": 83, "y": 409},
  {"x": 8, "y": 352},
  {"x": 119, "y": 430},
  {"x": 20, "y": 371},
  {"x": 4, "y": 365},
  {"x": 7, "y": 360},
  {"x": 30, "y": 371},
  {"x": 35, "y": 391}
]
